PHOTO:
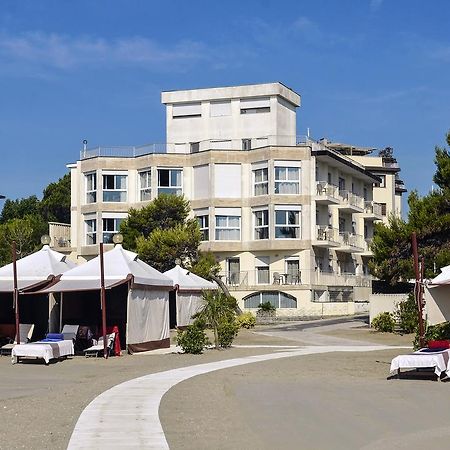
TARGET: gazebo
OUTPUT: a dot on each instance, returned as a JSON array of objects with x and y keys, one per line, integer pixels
[
  {"x": 186, "y": 300},
  {"x": 137, "y": 299}
]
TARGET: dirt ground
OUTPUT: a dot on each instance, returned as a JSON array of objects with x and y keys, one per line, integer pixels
[{"x": 40, "y": 404}]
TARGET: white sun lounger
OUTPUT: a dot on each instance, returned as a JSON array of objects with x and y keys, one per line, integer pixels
[
  {"x": 423, "y": 358},
  {"x": 70, "y": 331},
  {"x": 95, "y": 349},
  {"x": 43, "y": 350},
  {"x": 26, "y": 331}
]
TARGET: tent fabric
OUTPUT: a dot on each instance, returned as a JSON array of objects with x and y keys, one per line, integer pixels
[
  {"x": 148, "y": 319},
  {"x": 120, "y": 266},
  {"x": 34, "y": 269},
  {"x": 442, "y": 278},
  {"x": 188, "y": 281},
  {"x": 188, "y": 303}
]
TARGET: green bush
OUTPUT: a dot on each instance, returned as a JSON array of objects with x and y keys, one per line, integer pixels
[
  {"x": 193, "y": 340},
  {"x": 246, "y": 320},
  {"x": 227, "y": 331},
  {"x": 384, "y": 322},
  {"x": 406, "y": 315},
  {"x": 266, "y": 307}
]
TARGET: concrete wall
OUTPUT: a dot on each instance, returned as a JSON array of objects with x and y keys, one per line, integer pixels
[{"x": 379, "y": 303}]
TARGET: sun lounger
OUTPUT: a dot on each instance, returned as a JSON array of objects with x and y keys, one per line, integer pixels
[
  {"x": 46, "y": 350},
  {"x": 26, "y": 331},
  {"x": 97, "y": 348},
  {"x": 436, "y": 359},
  {"x": 70, "y": 331}
]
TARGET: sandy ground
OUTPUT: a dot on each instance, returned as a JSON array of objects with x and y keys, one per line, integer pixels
[{"x": 39, "y": 405}]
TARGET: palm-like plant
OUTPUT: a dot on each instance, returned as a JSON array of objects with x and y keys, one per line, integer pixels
[{"x": 217, "y": 308}]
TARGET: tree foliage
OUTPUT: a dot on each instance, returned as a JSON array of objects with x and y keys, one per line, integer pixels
[
  {"x": 55, "y": 204},
  {"x": 429, "y": 217}
]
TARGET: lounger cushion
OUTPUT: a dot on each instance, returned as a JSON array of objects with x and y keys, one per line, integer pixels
[{"x": 439, "y": 344}]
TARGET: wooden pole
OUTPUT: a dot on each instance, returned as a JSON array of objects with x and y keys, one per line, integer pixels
[
  {"x": 418, "y": 288},
  {"x": 103, "y": 301},
  {"x": 15, "y": 292}
]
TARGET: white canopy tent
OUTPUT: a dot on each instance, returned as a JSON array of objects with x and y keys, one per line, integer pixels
[
  {"x": 437, "y": 298},
  {"x": 189, "y": 289},
  {"x": 147, "y": 298},
  {"x": 33, "y": 271}
]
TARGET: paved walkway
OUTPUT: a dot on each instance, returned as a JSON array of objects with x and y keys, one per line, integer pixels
[{"x": 126, "y": 416}]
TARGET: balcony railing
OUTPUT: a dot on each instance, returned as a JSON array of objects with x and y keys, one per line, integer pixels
[
  {"x": 372, "y": 208},
  {"x": 348, "y": 239},
  {"x": 324, "y": 189},
  {"x": 59, "y": 234},
  {"x": 341, "y": 279},
  {"x": 326, "y": 233},
  {"x": 128, "y": 151},
  {"x": 352, "y": 199},
  {"x": 260, "y": 277}
]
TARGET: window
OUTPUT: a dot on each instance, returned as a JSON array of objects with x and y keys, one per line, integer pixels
[
  {"x": 382, "y": 183},
  {"x": 329, "y": 178},
  {"x": 91, "y": 187},
  {"x": 234, "y": 271},
  {"x": 261, "y": 224},
  {"x": 246, "y": 144},
  {"x": 114, "y": 188},
  {"x": 261, "y": 181},
  {"x": 228, "y": 228},
  {"x": 169, "y": 181},
  {"x": 91, "y": 231},
  {"x": 287, "y": 180},
  {"x": 255, "y": 105},
  {"x": 110, "y": 228},
  {"x": 341, "y": 184},
  {"x": 383, "y": 209},
  {"x": 292, "y": 271},
  {"x": 195, "y": 147},
  {"x": 203, "y": 222},
  {"x": 275, "y": 298},
  {"x": 287, "y": 224},
  {"x": 190, "y": 110},
  {"x": 145, "y": 183},
  {"x": 262, "y": 270}
]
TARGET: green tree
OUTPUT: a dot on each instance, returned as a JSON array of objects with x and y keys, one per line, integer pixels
[
  {"x": 19, "y": 208},
  {"x": 442, "y": 161},
  {"x": 55, "y": 204},
  {"x": 164, "y": 212}
]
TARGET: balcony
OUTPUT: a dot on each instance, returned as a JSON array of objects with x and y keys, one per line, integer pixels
[
  {"x": 343, "y": 279},
  {"x": 367, "y": 251},
  {"x": 351, "y": 243},
  {"x": 258, "y": 279},
  {"x": 327, "y": 194},
  {"x": 326, "y": 237},
  {"x": 128, "y": 151},
  {"x": 350, "y": 202},
  {"x": 372, "y": 211},
  {"x": 60, "y": 235}
]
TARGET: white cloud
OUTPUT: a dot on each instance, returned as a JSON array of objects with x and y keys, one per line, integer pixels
[{"x": 65, "y": 52}]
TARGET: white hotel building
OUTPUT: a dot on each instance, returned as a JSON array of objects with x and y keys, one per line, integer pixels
[{"x": 290, "y": 220}]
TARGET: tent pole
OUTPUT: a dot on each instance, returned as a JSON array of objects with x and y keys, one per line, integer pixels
[
  {"x": 16, "y": 292},
  {"x": 61, "y": 312},
  {"x": 103, "y": 301},
  {"x": 418, "y": 289}
]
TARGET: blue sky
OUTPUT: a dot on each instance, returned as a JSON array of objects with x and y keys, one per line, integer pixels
[{"x": 370, "y": 72}]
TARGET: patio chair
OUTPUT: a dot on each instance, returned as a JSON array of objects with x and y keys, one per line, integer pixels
[
  {"x": 276, "y": 278},
  {"x": 26, "y": 331},
  {"x": 70, "y": 332},
  {"x": 97, "y": 348}
]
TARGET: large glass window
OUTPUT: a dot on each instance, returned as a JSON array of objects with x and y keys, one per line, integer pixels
[
  {"x": 145, "y": 185},
  {"x": 91, "y": 187},
  {"x": 292, "y": 271},
  {"x": 261, "y": 181},
  {"x": 91, "y": 231},
  {"x": 203, "y": 222},
  {"x": 287, "y": 180},
  {"x": 114, "y": 188},
  {"x": 275, "y": 298},
  {"x": 261, "y": 224},
  {"x": 170, "y": 181},
  {"x": 287, "y": 224},
  {"x": 228, "y": 228},
  {"x": 111, "y": 226}
]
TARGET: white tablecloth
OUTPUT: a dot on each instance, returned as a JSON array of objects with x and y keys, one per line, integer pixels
[
  {"x": 438, "y": 360},
  {"x": 45, "y": 350}
]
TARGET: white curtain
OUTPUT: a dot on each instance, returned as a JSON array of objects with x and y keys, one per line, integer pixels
[
  {"x": 187, "y": 305},
  {"x": 148, "y": 315}
]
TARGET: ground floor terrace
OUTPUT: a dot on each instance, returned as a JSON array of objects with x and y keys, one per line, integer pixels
[{"x": 271, "y": 404}]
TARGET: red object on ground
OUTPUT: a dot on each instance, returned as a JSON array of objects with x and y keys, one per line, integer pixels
[
  {"x": 438, "y": 344},
  {"x": 115, "y": 329}
]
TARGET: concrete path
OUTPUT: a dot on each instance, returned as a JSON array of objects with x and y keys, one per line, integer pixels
[{"x": 126, "y": 416}]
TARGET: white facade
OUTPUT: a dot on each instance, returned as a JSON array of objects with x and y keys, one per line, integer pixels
[{"x": 289, "y": 222}]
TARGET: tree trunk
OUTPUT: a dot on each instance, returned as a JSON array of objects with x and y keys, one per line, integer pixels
[
  {"x": 226, "y": 292},
  {"x": 216, "y": 336}
]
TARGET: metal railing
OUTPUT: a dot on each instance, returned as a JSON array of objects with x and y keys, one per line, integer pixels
[
  {"x": 352, "y": 199},
  {"x": 326, "y": 233},
  {"x": 128, "y": 151},
  {"x": 372, "y": 208},
  {"x": 341, "y": 279},
  {"x": 324, "y": 189},
  {"x": 260, "y": 278},
  {"x": 348, "y": 239}
]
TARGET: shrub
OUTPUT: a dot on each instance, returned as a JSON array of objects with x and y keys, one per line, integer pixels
[
  {"x": 438, "y": 332},
  {"x": 406, "y": 315},
  {"x": 384, "y": 322},
  {"x": 246, "y": 320},
  {"x": 266, "y": 307},
  {"x": 193, "y": 339},
  {"x": 227, "y": 331}
]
